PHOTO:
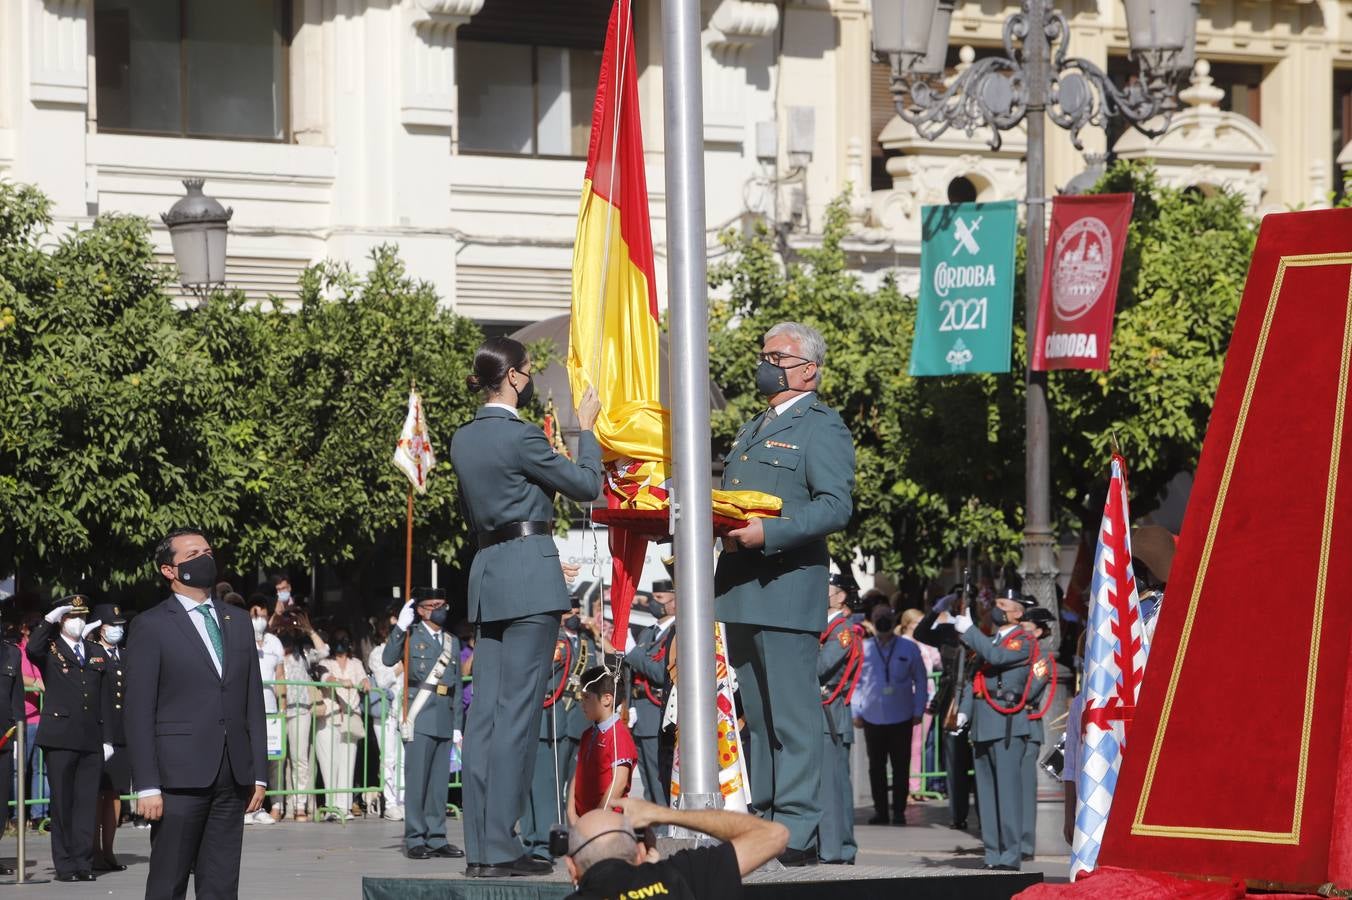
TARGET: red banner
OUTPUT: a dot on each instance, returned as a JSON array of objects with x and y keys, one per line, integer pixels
[{"x": 1079, "y": 281}]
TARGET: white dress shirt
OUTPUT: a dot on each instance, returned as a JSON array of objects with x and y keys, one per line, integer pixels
[
  {"x": 781, "y": 408},
  {"x": 511, "y": 409}
]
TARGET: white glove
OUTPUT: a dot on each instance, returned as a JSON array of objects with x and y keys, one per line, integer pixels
[
  {"x": 58, "y": 614},
  {"x": 457, "y": 737},
  {"x": 962, "y": 623},
  {"x": 406, "y": 616},
  {"x": 107, "y": 752},
  {"x": 91, "y": 627},
  {"x": 962, "y": 720}
]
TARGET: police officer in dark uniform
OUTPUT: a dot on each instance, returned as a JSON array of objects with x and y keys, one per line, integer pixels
[
  {"x": 75, "y": 730},
  {"x": 1041, "y": 692},
  {"x": 996, "y": 705},
  {"x": 561, "y": 727},
  {"x": 648, "y": 692},
  {"x": 11, "y": 719},
  {"x": 509, "y": 475},
  {"x": 116, "y": 779},
  {"x": 433, "y": 717},
  {"x": 839, "y": 663}
]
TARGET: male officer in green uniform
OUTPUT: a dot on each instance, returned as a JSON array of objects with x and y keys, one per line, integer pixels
[
  {"x": 648, "y": 694},
  {"x": 427, "y": 751},
  {"x": 770, "y": 583},
  {"x": 561, "y": 725},
  {"x": 838, "y": 667},
  {"x": 1042, "y": 690},
  {"x": 995, "y": 703}
]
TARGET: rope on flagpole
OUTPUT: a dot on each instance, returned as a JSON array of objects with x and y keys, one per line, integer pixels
[{"x": 622, "y": 59}]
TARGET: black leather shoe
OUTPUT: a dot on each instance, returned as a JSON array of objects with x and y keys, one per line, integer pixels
[
  {"x": 792, "y": 858},
  {"x": 449, "y": 851},
  {"x": 71, "y": 877},
  {"x": 478, "y": 870},
  {"x": 526, "y": 865},
  {"x": 899, "y": 820},
  {"x": 108, "y": 864},
  {"x": 418, "y": 852},
  {"x": 6, "y": 870},
  {"x": 86, "y": 876},
  {"x": 878, "y": 820},
  {"x": 837, "y": 862},
  {"x": 959, "y": 826}
]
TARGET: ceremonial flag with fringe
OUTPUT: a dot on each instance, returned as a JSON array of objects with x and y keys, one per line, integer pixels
[
  {"x": 1114, "y": 660},
  {"x": 413, "y": 454}
]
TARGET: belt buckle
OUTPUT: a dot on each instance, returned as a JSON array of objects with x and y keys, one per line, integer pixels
[{"x": 443, "y": 690}]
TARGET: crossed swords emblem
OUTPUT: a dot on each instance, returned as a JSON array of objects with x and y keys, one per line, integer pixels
[{"x": 964, "y": 233}]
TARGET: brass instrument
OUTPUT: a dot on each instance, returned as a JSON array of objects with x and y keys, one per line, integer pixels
[{"x": 572, "y": 692}]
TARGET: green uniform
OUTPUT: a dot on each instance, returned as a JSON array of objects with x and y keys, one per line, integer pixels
[
  {"x": 837, "y": 674},
  {"x": 773, "y": 600},
  {"x": 509, "y": 474},
  {"x": 648, "y": 662},
  {"x": 427, "y": 758},
  {"x": 561, "y": 727},
  {"x": 999, "y": 739},
  {"x": 1039, "y": 698}
]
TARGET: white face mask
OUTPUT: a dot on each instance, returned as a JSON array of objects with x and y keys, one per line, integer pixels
[
  {"x": 260, "y": 625},
  {"x": 284, "y": 596},
  {"x": 113, "y": 633},
  {"x": 73, "y": 628}
]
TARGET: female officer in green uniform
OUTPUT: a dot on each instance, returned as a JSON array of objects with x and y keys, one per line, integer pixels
[{"x": 508, "y": 475}]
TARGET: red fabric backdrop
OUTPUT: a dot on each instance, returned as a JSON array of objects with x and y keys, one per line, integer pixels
[{"x": 1239, "y": 735}]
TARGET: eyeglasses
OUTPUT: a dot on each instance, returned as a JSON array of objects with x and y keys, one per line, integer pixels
[{"x": 775, "y": 359}]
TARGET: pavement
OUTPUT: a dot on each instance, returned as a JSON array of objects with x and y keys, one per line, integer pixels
[{"x": 325, "y": 861}]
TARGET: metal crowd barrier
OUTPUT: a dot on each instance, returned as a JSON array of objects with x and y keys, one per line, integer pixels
[{"x": 367, "y": 746}]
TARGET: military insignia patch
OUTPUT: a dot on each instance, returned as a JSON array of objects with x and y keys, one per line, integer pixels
[
  {"x": 558, "y": 652},
  {"x": 781, "y": 445},
  {"x": 846, "y": 637},
  {"x": 1040, "y": 668},
  {"x": 1016, "y": 645}
]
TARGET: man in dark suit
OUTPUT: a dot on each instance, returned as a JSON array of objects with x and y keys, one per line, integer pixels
[
  {"x": 74, "y": 732},
  {"x": 195, "y": 726},
  {"x": 770, "y": 583}
]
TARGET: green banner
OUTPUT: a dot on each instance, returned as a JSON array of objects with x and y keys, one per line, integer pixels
[{"x": 966, "y": 306}]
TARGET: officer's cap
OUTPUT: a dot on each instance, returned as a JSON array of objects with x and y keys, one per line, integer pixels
[
  {"x": 843, "y": 581},
  {"x": 1040, "y": 616},
  {"x": 80, "y": 602},
  {"x": 110, "y": 614},
  {"x": 428, "y": 593},
  {"x": 664, "y": 586},
  {"x": 1027, "y": 601}
]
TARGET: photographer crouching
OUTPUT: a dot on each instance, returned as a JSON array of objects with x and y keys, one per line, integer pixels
[{"x": 614, "y": 855}]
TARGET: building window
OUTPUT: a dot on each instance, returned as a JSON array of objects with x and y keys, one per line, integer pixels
[
  {"x": 526, "y": 73},
  {"x": 192, "y": 68},
  {"x": 526, "y": 100},
  {"x": 1342, "y": 126}
]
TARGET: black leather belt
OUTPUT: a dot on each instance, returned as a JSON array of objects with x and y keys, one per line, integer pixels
[{"x": 512, "y": 532}]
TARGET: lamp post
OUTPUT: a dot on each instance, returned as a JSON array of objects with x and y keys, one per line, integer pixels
[
  {"x": 1034, "y": 80},
  {"x": 197, "y": 229}
]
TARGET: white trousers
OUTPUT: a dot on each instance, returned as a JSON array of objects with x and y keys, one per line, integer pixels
[
  {"x": 299, "y": 764},
  {"x": 337, "y": 754},
  {"x": 391, "y": 759}
]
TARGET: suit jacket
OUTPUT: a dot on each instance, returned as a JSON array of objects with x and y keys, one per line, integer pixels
[
  {"x": 440, "y": 715},
  {"x": 117, "y": 684},
  {"x": 509, "y": 473},
  {"x": 839, "y": 643},
  {"x": 180, "y": 715},
  {"x": 11, "y": 688},
  {"x": 805, "y": 458},
  {"x": 1006, "y": 663},
  {"x": 650, "y": 671},
  {"x": 77, "y": 708}
]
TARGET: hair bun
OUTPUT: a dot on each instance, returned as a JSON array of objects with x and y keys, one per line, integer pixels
[{"x": 473, "y": 382}]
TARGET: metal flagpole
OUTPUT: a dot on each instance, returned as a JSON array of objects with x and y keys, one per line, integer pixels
[{"x": 696, "y": 699}]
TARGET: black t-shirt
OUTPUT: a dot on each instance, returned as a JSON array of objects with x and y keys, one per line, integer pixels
[{"x": 705, "y": 873}]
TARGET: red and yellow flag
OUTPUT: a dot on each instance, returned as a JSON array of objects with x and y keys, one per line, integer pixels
[{"x": 613, "y": 335}]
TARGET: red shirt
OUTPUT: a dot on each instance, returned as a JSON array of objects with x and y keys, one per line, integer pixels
[{"x": 604, "y": 746}]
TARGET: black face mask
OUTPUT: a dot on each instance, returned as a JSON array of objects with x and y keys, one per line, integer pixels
[
  {"x": 771, "y": 379},
  {"x": 342, "y": 647},
  {"x": 524, "y": 396},
  {"x": 438, "y": 616},
  {"x": 573, "y": 623},
  {"x": 999, "y": 616},
  {"x": 200, "y": 571},
  {"x": 657, "y": 609}
]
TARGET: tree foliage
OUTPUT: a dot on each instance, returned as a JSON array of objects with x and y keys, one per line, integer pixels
[
  {"x": 940, "y": 460},
  {"x": 122, "y": 416}
]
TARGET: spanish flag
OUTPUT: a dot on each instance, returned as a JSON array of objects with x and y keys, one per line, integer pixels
[{"x": 613, "y": 336}]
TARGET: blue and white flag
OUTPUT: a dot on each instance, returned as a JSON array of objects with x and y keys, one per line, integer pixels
[{"x": 1114, "y": 660}]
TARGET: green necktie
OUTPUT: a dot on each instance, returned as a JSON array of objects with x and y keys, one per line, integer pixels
[{"x": 213, "y": 632}]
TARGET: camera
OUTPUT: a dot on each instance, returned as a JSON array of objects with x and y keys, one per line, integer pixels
[{"x": 558, "y": 841}]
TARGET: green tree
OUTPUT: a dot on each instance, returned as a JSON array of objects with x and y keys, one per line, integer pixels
[{"x": 940, "y": 460}]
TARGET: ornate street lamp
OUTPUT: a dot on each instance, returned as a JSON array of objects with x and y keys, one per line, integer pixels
[
  {"x": 1034, "y": 80},
  {"x": 197, "y": 228}
]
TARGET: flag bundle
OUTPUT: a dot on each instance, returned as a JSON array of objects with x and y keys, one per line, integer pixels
[
  {"x": 732, "y": 774},
  {"x": 413, "y": 454},
  {"x": 1114, "y": 657}
]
